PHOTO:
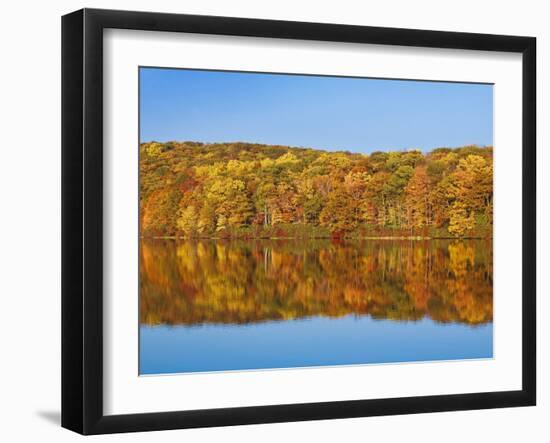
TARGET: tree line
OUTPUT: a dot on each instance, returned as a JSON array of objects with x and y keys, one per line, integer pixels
[{"x": 245, "y": 190}]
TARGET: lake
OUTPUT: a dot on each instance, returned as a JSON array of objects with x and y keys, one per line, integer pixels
[{"x": 219, "y": 305}]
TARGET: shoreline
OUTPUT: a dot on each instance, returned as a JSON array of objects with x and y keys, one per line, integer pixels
[{"x": 414, "y": 237}]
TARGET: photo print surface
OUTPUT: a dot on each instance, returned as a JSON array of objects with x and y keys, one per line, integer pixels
[{"x": 301, "y": 221}]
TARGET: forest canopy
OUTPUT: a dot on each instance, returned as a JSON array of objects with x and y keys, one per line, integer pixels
[{"x": 227, "y": 190}]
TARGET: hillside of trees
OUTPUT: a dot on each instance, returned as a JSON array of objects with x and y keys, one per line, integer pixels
[{"x": 241, "y": 190}]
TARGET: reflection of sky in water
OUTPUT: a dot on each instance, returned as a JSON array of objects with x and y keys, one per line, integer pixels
[{"x": 314, "y": 341}]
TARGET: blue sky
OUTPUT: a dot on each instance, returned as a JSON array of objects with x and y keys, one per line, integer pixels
[{"x": 333, "y": 113}]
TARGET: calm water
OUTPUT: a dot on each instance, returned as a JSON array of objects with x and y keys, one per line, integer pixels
[{"x": 218, "y": 305}]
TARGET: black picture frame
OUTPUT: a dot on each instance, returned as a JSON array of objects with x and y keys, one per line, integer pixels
[{"x": 82, "y": 220}]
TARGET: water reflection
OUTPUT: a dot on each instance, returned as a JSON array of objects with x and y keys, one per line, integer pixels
[{"x": 245, "y": 282}]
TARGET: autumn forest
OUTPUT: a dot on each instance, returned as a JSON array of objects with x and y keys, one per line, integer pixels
[{"x": 242, "y": 190}]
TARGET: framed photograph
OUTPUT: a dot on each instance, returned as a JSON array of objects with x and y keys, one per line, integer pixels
[{"x": 269, "y": 221}]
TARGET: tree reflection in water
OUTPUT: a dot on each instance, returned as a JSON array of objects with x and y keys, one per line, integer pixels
[{"x": 242, "y": 282}]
